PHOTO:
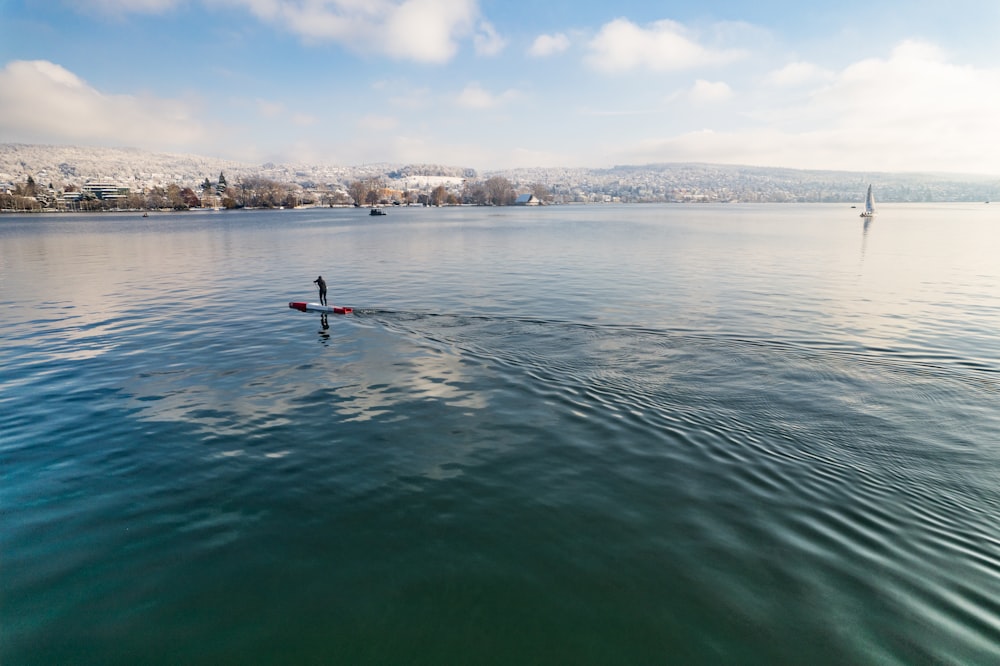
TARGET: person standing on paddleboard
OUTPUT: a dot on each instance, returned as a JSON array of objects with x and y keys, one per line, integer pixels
[{"x": 321, "y": 283}]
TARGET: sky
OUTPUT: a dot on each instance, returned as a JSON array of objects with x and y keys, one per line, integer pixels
[{"x": 875, "y": 85}]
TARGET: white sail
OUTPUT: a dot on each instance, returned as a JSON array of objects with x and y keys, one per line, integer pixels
[{"x": 869, "y": 204}]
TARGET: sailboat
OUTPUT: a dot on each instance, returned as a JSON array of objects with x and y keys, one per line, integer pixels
[{"x": 869, "y": 204}]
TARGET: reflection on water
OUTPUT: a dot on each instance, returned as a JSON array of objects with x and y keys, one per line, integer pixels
[
  {"x": 864, "y": 237},
  {"x": 587, "y": 435}
]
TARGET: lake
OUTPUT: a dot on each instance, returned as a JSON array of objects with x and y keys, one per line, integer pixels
[{"x": 632, "y": 434}]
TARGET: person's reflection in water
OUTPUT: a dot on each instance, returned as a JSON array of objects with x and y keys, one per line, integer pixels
[{"x": 326, "y": 326}]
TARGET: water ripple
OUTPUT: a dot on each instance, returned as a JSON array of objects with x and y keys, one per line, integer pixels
[{"x": 728, "y": 442}]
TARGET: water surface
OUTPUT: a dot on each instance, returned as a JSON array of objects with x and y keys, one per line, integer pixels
[{"x": 603, "y": 434}]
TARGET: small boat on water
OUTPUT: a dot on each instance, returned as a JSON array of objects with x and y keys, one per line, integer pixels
[
  {"x": 377, "y": 211},
  {"x": 869, "y": 210}
]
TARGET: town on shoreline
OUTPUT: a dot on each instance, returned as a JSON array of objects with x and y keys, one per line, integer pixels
[{"x": 39, "y": 178}]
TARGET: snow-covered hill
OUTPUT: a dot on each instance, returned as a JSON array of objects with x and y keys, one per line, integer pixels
[
  {"x": 136, "y": 169},
  {"x": 139, "y": 170}
]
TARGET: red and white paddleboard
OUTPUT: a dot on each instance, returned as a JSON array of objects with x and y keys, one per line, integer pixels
[{"x": 316, "y": 307}]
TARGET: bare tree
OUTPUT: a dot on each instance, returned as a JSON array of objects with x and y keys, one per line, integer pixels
[
  {"x": 474, "y": 192},
  {"x": 191, "y": 199},
  {"x": 174, "y": 198},
  {"x": 499, "y": 191},
  {"x": 135, "y": 200},
  {"x": 156, "y": 198},
  {"x": 337, "y": 198},
  {"x": 274, "y": 194},
  {"x": 358, "y": 191},
  {"x": 439, "y": 195},
  {"x": 542, "y": 193},
  {"x": 294, "y": 196},
  {"x": 377, "y": 190}
]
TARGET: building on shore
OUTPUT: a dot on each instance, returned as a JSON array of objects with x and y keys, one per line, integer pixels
[{"x": 105, "y": 191}]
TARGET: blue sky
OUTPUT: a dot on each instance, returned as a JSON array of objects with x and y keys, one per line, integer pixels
[{"x": 877, "y": 85}]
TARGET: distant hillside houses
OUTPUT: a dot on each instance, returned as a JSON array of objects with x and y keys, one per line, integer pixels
[{"x": 108, "y": 177}]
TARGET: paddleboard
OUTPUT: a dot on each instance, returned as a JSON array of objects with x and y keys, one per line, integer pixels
[{"x": 316, "y": 307}]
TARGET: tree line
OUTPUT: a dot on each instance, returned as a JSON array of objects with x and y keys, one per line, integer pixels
[
  {"x": 494, "y": 191},
  {"x": 260, "y": 192},
  {"x": 251, "y": 192}
]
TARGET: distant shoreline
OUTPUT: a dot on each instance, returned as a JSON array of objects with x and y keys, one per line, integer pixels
[
  {"x": 168, "y": 211},
  {"x": 57, "y": 167}
]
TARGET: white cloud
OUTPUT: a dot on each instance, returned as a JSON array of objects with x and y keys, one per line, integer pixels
[
  {"x": 415, "y": 99},
  {"x": 427, "y": 31},
  {"x": 269, "y": 109},
  {"x": 913, "y": 110},
  {"x": 708, "y": 92},
  {"x": 422, "y": 30},
  {"x": 797, "y": 74},
  {"x": 137, "y": 6},
  {"x": 375, "y": 123},
  {"x": 277, "y": 111},
  {"x": 487, "y": 42},
  {"x": 474, "y": 96},
  {"x": 661, "y": 46},
  {"x": 304, "y": 119},
  {"x": 547, "y": 45},
  {"x": 46, "y": 103},
  {"x": 915, "y": 106}
]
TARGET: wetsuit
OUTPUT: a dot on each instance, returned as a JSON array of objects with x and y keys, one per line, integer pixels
[{"x": 321, "y": 283}]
